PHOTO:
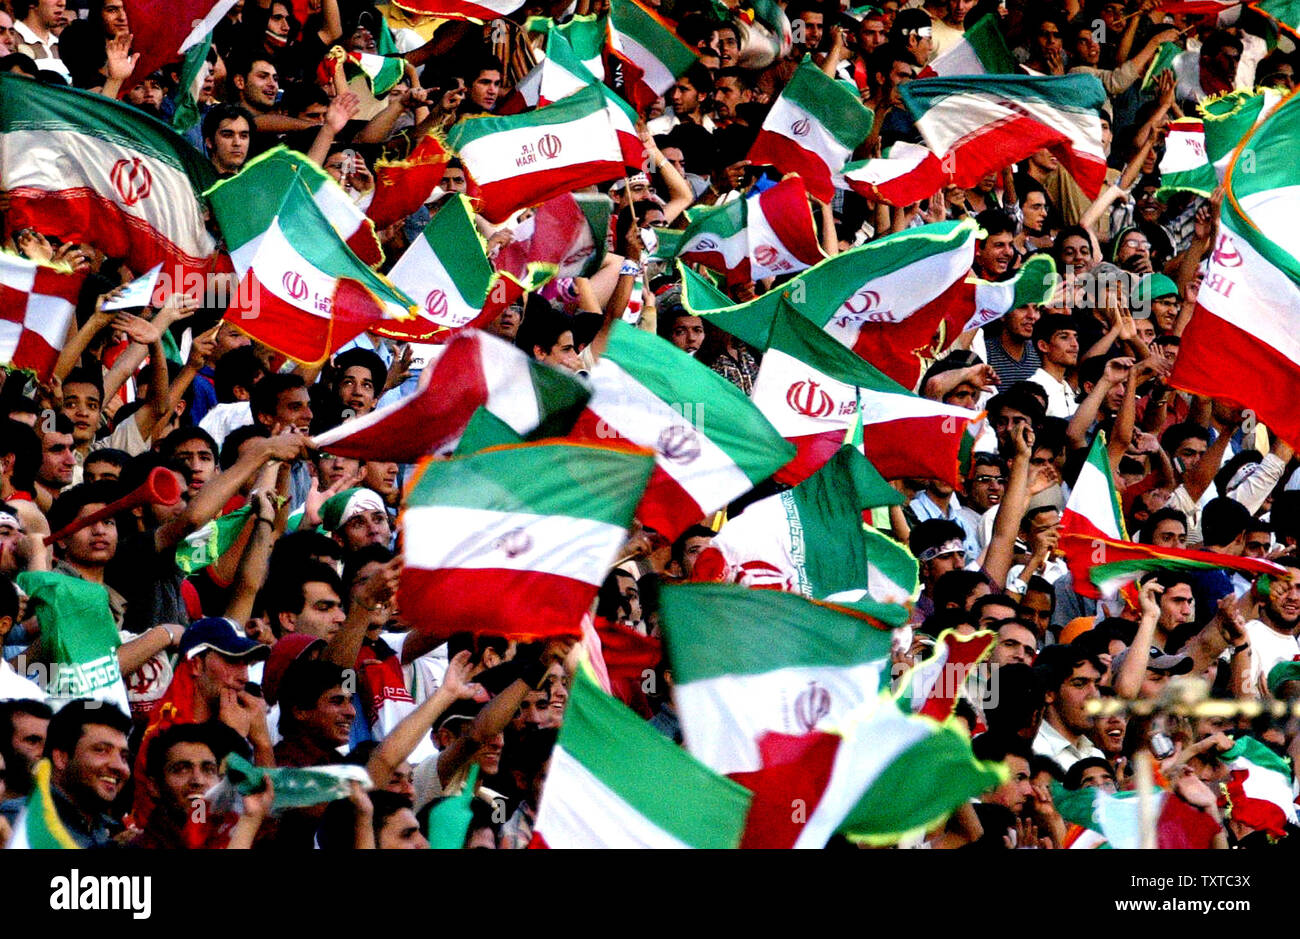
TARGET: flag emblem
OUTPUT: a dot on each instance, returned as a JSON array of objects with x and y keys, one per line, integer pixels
[
  {"x": 1226, "y": 253},
  {"x": 766, "y": 255},
  {"x": 132, "y": 180},
  {"x": 679, "y": 443},
  {"x": 436, "y": 303},
  {"x": 813, "y": 704},
  {"x": 549, "y": 146},
  {"x": 801, "y": 127},
  {"x": 809, "y": 399},
  {"x": 295, "y": 285},
  {"x": 514, "y": 543}
]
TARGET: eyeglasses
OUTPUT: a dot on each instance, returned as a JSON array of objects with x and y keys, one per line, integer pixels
[{"x": 990, "y": 478}]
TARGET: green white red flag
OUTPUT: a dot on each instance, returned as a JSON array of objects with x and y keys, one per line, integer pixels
[
  {"x": 562, "y": 73},
  {"x": 38, "y": 825},
  {"x": 564, "y": 237},
  {"x": 1093, "y": 509},
  {"x": 402, "y": 186},
  {"x": 521, "y": 160},
  {"x": 1259, "y": 787},
  {"x": 163, "y": 31},
  {"x": 516, "y": 540},
  {"x": 83, "y": 168},
  {"x": 615, "y": 782},
  {"x": 985, "y": 122},
  {"x": 303, "y": 292},
  {"x": 1185, "y": 166},
  {"x": 812, "y": 129},
  {"x": 38, "y": 306},
  {"x": 982, "y": 50},
  {"x": 1102, "y": 566},
  {"x": 931, "y": 688},
  {"x": 447, "y": 272},
  {"x": 906, "y": 173},
  {"x": 711, "y": 444},
  {"x": 653, "y": 57},
  {"x": 476, "y": 370},
  {"x": 767, "y": 234},
  {"x": 483, "y": 10}
]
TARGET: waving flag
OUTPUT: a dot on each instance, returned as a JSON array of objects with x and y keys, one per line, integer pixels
[
  {"x": 904, "y": 174},
  {"x": 1093, "y": 509},
  {"x": 981, "y": 50},
  {"x": 38, "y": 307},
  {"x": 1109, "y": 564},
  {"x": 303, "y": 292},
  {"x": 562, "y": 73},
  {"x": 564, "y": 237},
  {"x": 1259, "y": 787},
  {"x": 1284, "y": 13},
  {"x": 812, "y": 129},
  {"x": 518, "y": 161},
  {"x": 653, "y": 57},
  {"x": 82, "y": 168},
  {"x": 586, "y": 36},
  {"x": 1185, "y": 166},
  {"x": 932, "y": 688},
  {"x": 764, "y": 235},
  {"x": 615, "y": 782},
  {"x": 985, "y": 122},
  {"x": 447, "y": 271},
  {"x": 486, "y": 10},
  {"x": 517, "y": 540},
  {"x": 1227, "y": 119},
  {"x": 402, "y": 186},
  {"x": 165, "y": 30},
  {"x": 38, "y": 825},
  {"x": 711, "y": 444},
  {"x": 475, "y": 371}
]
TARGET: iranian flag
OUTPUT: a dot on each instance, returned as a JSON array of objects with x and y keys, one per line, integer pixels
[
  {"x": 476, "y": 370},
  {"x": 931, "y": 688},
  {"x": 767, "y": 234},
  {"x": 812, "y": 129},
  {"x": 653, "y": 57},
  {"x": 1248, "y": 306},
  {"x": 904, "y": 174},
  {"x": 1228, "y": 118},
  {"x": 1109, "y": 819},
  {"x": 984, "y": 122},
  {"x": 1093, "y": 509},
  {"x": 813, "y": 390},
  {"x": 899, "y": 302},
  {"x": 562, "y": 73},
  {"x": 746, "y": 662},
  {"x": 461, "y": 9},
  {"x": 1108, "y": 565},
  {"x": 203, "y": 546},
  {"x": 586, "y": 35},
  {"x": 38, "y": 825},
  {"x": 82, "y": 168},
  {"x": 448, "y": 273},
  {"x": 37, "y": 311},
  {"x": 1185, "y": 167},
  {"x": 1284, "y": 13},
  {"x": 1163, "y": 61},
  {"x": 1259, "y": 787},
  {"x": 809, "y": 540},
  {"x": 563, "y": 237},
  {"x": 893, "y": 775},
  {"x": 517, "y": 540},
  {"x": 982, "y": 50},
  {"x": 519, "y": 161},
  {"x": 163, "y": 31},
  {"x": 276, "y": 169},
  {"x": 196, "y": 69},
  {"x": 78, "y": 637},
  {"x": 711, "y": 444},
  {"x": 402, "y": 186},
  {"x": 615, "y": 782},
  {"x": 303, "y": 292}
]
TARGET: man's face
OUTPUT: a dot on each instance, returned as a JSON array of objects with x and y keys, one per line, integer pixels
[
  {"x": 965, "y": 395},
  {"x": 683, "y": 97},
  {"x": 986, "y": 487},
  {"x": 1036, "y": 610},
  {"x": 691, "y": 552},
  {"x": 1048, "y": 40},
  {"x": 996, "y": 253},
  {"x": 189, "y": 770},
  {"x": 1257, "y": 544},
  {"x": 81, "y": 403},
  {"x": 728, "y": 46},
  {"x": 58, "y": 459},
  {"x": 382, "y": 478},
  {"x": 1108, "y": 734},
  {"x": 229, "y": 145},
  {"x": 402, "y": 831},
  {"x": 293, "y": 408},
  {"x": 333, "y": 468},
  {"x": 1224, "y": 63},
  {"x": 147, "y": 94},
  {"x": 534, "y": 711},
  {"x": 28, "y": 739},
  {"x": 259, "y": 86},
  {"x": 92, "y": 546},
  {"x": 198, "y": 462},
  {"x": 322, "y": 612},
  {"x": 98, "y": 470},
  {"x": 1134, "y": 253},
  {"x": 357, "y": 389},
  {"x": 277, "y": 24},
  {"x": 935, "y": 568},
  {"x": 1062, "y": 348},
  {"x": 1284, "y": 606},
  {"x": 1034, "y": 209},
  {"x": 1070, "y": 701},
  {"x": 97, "y": 769},
  {"x": 50, "y": 12},
  {"x": 1189, "y": 453},
  {"x": 365, "y": 528},
  {"x": 728, "y": 94},
  {"x": 1146, "y": 332},
  {"x": 564, "y": 354},
  {"x": 872, "y": 34},
  {"x": 453, "y": 180},
  {"x": 9, "y": 37},
  {"x": 489, "y": 755},
  {"x": 215, "y": 673},
  {"x": 1098, "y": 777},
  {"x": 1148, "y": 206},
  {"x": 506, "y": 325},
  {"x": 329, "y": 722},
  {"x": 1020, "y": 321},
  {"x": 1169, "y": 533},
  {"x": 1005, "y": 423},
  {"x": 1076, "y": 253},
  {"x": 688, "y": 334},
  {"x": 1086, "y": 50},
  {"x": 1017, "y": 790},
  {"x": 483, "y": 91},
  {"x": 812, "y": 29},
  {"x": 1015, "y": 644}
]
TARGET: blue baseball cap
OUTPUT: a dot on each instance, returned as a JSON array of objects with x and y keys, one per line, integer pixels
[{"x": 218, "y": 634}]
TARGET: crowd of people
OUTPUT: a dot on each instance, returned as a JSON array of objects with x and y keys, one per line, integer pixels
[{"x": 288, "y": 647}]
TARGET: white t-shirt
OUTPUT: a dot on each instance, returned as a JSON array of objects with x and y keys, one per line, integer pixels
[
  {"x": 1267, "y": 648},
  {"x": 14, "y": 687}
]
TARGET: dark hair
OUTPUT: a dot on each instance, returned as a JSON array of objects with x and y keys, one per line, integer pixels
[
  {"x": 298, "y": 547},
  {"x": 1055, "y": 664},
  {"x": 996, "y": 222},
  {"x": 236, "y": 439},
  {"x": 1040, "y": 585},
  {"x": 1045, "y": 764},
  {"x": 291, "y": 595},
  {"x": 238, "y": 368},
  {"x": 25, "y": 445},
  {"x": 542, "y": 325},
  {"x": 367, "y": 554},
  {"x": 1052, "y": 323},
  {"x": 1091, "y": 369},
  {"x": 67, "y": 726},
  {"x": 365, "y": 359},
  {"x": 1074, "y": 775},
  {"x": 1148, "y": 529},
  {"x": 678, "y": 552},
  {"x": 20, "y": 62},
  {"x": 86, "y": 376},
  {"x": 994, "y": 747},
  {"x": 184, "y": 435},
  {"x": 111, "y": 455},
  {"x": 987, "y": 458},
  {"x": 70, "y": 502},
  {"x": 226, "y": 112},
  {"x": 265, "y": 397},
  {"x": 743, "y": 76},
  {"x": 8, "y": 597},
  {"x": 217, "y": 737},
  {"x": 1177, "y": 434},
  {"x": 699, "y": 78},
  {"x": 385, "y": 805},
  {"x": 954, "y": 587},
  {"x": 304, "y": 682},
  {"x": 1223, "y": 520},
  {"x": 1285, "y": 514},
  {"x": 1217, "y": 41},
  {"x": 1229, "y": 469},
  {"x": 529, "y": 753},
  {"x": 990, "y": 599},
  {"x": 933, "y": 532}
]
